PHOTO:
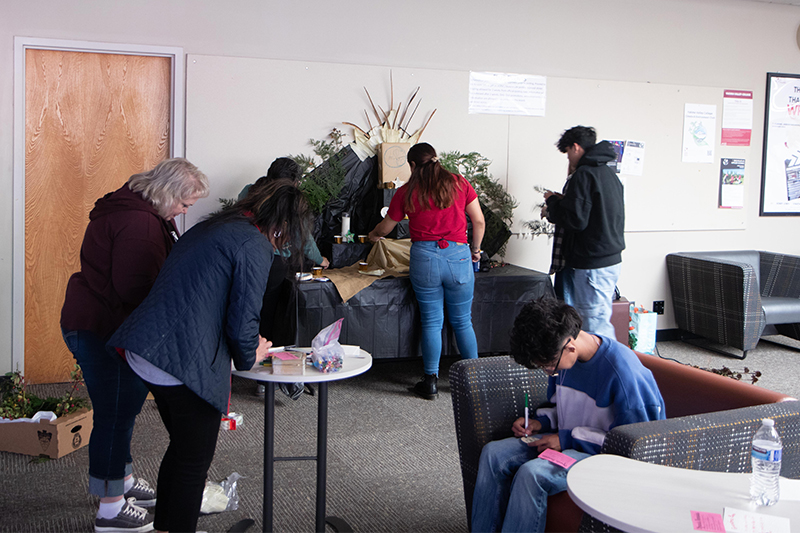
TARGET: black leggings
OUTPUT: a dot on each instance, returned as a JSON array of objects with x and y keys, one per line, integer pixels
[{"x": 193, "y": 427}]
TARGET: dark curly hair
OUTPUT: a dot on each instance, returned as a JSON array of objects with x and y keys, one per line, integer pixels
[
  {"x": 585, "y": 136},
  {"x": 540, "y": 330},
  {"x": 281, "y": 168}
]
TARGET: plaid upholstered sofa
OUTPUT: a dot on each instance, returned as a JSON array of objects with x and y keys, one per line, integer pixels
[
  {"x": 730, "y": 297},
  {"x": 711, "y": 421}
]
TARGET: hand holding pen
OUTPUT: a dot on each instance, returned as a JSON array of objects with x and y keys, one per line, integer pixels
[
  {"x": 524, "y": 426},
  {"x": 526, "y": 413}
]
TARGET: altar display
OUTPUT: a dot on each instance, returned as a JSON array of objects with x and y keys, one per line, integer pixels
[{"x": 361, "y": 178}]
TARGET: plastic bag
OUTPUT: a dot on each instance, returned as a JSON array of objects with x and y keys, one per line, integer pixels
[
  {"x": 326, "y": 352},
  {"x": 222, "y": 496},
  {"x": 642, "y": 330}
]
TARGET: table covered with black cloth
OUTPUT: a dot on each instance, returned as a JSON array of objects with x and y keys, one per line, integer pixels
[{"x": 384, "y": 318}]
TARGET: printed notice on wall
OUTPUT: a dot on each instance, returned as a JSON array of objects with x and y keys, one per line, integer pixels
[
  {"x": 737, "y": 118},
  {"x": 630, "y": 157},
  {"x": 731, "y": 183},
  {"x": 633, "y": 158},
  {"x": 699, "y": 126},
  {"x": 619, "y": 148},
  {"x": 495, "y": 93}
]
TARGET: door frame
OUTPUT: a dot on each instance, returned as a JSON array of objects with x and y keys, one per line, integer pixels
[{"x": 177, "y": 149}]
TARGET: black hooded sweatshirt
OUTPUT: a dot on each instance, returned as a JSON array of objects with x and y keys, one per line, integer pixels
[{"x": 591, "y": 212}]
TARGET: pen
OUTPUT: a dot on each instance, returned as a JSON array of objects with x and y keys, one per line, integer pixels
[{"x": 526, "y": 413}]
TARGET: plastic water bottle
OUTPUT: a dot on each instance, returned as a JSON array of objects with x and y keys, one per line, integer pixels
[{"x": 766, "y": 457}]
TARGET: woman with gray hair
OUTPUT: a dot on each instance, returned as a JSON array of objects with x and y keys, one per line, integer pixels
[{"x": 130, "y": 233}]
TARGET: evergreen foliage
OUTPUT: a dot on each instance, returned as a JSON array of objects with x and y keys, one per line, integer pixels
[
  {"x": 16, "y": 402},
  {"x": 323, "y": 181},
  {"x": 475, "y": 168}
]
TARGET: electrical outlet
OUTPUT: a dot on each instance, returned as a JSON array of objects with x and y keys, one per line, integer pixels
[{"x": 658, "y": 307}]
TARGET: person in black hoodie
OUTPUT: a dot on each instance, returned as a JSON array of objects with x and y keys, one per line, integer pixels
[
  {"x": 130, "y": 233},
  {"x": 589, "y": 215}
]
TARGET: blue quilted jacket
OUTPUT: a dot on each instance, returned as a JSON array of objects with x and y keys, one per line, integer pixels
[{"x": 203, "y": 310}]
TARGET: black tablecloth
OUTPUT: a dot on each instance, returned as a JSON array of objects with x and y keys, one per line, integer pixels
[{"x": 384, "y": 318}]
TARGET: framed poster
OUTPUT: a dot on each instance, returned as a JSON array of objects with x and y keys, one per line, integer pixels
[{"x": 780, "y": 167}]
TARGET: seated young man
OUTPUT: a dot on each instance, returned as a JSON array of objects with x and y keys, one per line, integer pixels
[{"x": 595, "y": 384}]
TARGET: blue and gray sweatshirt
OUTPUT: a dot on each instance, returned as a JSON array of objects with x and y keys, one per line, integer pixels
[{"x": 588, "y": 400}]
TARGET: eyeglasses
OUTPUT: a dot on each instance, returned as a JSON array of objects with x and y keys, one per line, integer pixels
[{"x": 553, "y": 370}]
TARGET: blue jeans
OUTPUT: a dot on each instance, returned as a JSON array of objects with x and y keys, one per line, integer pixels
[
  {"x": 591, "y": 292},
  {"x": 443, "y": 276},
  {"x": 117, "y": 395},
  {"x": 513, "y": 485}
]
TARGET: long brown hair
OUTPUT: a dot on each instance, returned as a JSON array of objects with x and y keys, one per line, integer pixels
[
  {"x": 429, "y": 179},
  {"x": 280, "y": 212}
]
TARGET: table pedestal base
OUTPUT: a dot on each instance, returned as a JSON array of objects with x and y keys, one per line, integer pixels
[{"x": 322, "y": 460}]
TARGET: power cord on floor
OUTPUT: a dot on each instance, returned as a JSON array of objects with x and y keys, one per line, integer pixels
[{"x": 667, "y": 358}]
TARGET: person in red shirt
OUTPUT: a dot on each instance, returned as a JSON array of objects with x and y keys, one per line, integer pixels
[
  {"x": 130, "y": 233},
  {"x": 441, "y": 270}
]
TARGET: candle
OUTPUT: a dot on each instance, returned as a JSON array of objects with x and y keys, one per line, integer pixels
[{"x": 345, "y": 224}]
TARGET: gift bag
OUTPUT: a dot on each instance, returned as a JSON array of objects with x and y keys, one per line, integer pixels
[
  {"x": 326, "y": 352},
  {"x": 642, "y": 330}
]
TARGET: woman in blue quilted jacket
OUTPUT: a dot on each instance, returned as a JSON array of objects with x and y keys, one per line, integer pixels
[{"x": 202, "y": 313}]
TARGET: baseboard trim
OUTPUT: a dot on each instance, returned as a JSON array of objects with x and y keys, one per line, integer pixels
[{"x": 664, "y": 335}]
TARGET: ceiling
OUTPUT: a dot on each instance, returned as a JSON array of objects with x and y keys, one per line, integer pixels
[{"x": 787, "y": 2}]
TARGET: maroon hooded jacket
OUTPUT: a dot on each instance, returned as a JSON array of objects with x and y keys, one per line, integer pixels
[{"x": 124, "y": 246}]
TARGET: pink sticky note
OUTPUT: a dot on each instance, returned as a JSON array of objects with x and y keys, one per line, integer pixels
[
  {"x": 285, "y": 356},
  {"x": 707, "y": 522},
  {"x": 557, "y": 458}
]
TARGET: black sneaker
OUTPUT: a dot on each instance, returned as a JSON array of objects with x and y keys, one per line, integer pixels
[
  {"x": 131, "y": 518},
  {"x": 145, "y": 494}
]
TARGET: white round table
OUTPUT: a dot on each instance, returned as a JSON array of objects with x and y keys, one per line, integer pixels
[
  {"x": 351, "y": 366},
  {"x": 639, "y": 497}
]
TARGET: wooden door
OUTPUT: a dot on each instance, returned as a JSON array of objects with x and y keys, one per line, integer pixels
[{"x": 91, "y": 121}]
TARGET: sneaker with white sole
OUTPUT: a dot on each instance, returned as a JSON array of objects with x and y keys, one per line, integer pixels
[
  {"x": 131, "y": 518},
  {"x": 145, "y": 494}
]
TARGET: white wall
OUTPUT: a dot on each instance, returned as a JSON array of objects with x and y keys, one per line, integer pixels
[{"x": 717, "y": 43}]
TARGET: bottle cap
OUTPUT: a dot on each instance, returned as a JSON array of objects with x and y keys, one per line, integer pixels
[{"x": 768, "y": 422}]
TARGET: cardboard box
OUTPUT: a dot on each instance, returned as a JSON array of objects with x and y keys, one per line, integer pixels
[
  {"x": 54, "y": 439},
  {"x": 393, "y": 164},
  {"x": 289, "y": 364}
]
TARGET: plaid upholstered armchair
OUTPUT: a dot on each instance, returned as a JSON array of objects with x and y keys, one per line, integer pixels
[
  {"x": 710, "y": 423},
  {"x": 730, "y": 297}
]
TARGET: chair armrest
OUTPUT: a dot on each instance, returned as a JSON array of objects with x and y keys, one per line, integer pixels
[
  {"x": 780, "y": 275},
  {"x": 691, "y": 391},
  {"x": 488, "y": 395},
  {"x": 718, "y": 442},
  {"x": 716, "y": 298}
]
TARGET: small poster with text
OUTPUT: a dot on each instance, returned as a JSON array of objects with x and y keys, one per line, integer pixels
[
  {"x": 496, "y": 93},
  {"x": 737, "y": 118},
  {"x": 699, "y": 128},
  {"x": 731, "y": 183}
]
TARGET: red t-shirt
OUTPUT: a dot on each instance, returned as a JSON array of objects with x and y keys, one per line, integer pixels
[{"x": 434, "y": 224}]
